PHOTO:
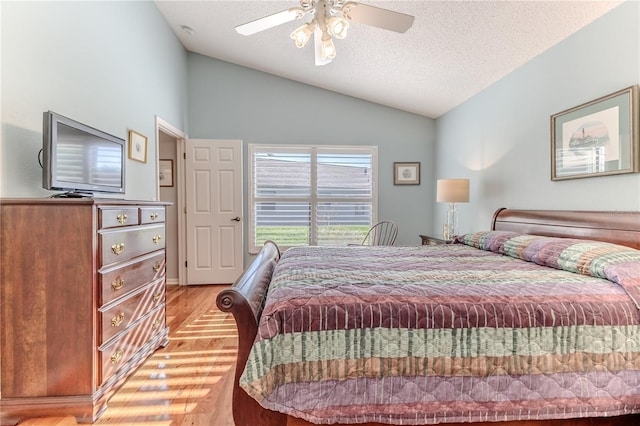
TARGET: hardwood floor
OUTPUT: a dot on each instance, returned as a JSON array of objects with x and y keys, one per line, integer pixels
[
  {"x": 187, "y": 383},
  {"x": 190, "y": 381}
]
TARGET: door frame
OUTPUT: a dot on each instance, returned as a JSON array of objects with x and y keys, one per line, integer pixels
[{"x": 165, "y": 127}]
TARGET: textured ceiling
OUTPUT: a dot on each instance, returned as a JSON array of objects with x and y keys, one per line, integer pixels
[{"x": 454, "y": 50}]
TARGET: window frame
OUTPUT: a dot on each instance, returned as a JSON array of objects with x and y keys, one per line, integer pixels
[{"x": 313, "y": 197}]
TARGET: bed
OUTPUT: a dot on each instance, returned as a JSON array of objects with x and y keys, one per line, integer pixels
[{"x": 537, "y": 318}]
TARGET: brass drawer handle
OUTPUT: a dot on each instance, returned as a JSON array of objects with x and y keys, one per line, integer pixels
[
  {"x": 122, "y": 218},
  {"x": 117, "y": 248},
  {"x": 157, "y": 239},
  {"x": 117, "y": 320},
  {"x": 154, "y": 216},
  {"x": 157, "y": 296},
  {"x": 156, "y": 324},
  {"x": 117, "y": 284},
  {"x": 156, "y": 266},
  {"x": 116, "y": 357}
]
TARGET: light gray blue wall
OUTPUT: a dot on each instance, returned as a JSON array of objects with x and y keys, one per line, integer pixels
[
  {"x": 232, "y": 102},
  {"x": 111, "y": 65},
  {"x": 500, "y": 139},
  {"x": 115, "y": 65}
]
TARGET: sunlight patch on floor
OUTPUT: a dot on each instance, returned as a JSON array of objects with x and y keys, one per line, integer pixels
[{"x": 172, "y": 382}]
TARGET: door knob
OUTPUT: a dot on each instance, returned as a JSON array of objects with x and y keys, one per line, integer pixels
[{"x": 236, "y": 219}]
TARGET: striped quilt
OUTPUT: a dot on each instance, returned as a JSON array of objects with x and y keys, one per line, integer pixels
[{"x": 498, "y": 327}]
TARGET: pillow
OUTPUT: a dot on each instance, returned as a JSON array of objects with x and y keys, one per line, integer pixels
[
  {"x": 618, "y": 264},
  {"x": 487, "y": 240},
  {"x": 595, "y": 258}
]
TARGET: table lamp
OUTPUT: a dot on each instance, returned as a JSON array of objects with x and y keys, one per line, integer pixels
[{"x": 452, "y": 191}]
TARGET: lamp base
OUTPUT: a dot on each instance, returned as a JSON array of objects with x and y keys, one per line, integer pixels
[
  {"x": 445, "y": 232},
  {"x": 451, "y": 227}
]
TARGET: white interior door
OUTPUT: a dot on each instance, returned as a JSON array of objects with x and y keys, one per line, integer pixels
[{"x": 214, "y": 211}]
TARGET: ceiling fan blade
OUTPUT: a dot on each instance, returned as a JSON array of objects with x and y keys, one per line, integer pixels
[
  {"x": 377, "y": 17},
  {"x": 270, "y": 21},
  {"x": 317, "y": 44}
]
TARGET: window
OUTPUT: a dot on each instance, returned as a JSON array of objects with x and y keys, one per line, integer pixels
[{"x": 311, "y": 195}]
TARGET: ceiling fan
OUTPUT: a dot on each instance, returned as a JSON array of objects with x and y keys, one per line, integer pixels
[{"x": 329, "y": 19}]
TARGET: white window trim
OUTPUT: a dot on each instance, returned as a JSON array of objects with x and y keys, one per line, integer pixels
[{"x": 368, "y": 149}]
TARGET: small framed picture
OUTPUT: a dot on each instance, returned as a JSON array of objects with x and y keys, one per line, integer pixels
[
  {"x": 165, "y": 172},
  {"x": 137, "y": 146},
  {"x": 406, "y": 173}
]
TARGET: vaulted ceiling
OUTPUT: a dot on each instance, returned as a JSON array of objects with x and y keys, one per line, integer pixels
[{"x": 454, "y": 49}]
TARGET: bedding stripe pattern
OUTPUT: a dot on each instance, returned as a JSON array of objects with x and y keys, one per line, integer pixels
[{"x": 438, "y": 334}]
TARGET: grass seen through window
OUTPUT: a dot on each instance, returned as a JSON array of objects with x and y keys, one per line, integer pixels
[{"x": 286, "y": 236}]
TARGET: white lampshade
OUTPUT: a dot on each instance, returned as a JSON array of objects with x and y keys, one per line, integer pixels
[
  {"x": 452, "y": 191},
  {"x": 337, "y": 27},
  {"x": 301, "y": 35},
  {"x": 328, "y": 49}
]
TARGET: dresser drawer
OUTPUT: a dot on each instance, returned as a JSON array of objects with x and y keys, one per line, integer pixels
[
  {"x": 114, "y": 217},
  {"x": 123, "y": 278},
  {"x": 152, "y": 215},
  {"x": 122, "y": 244},
  {"x": 116, "y": 318},
  {"x": 120, "y": 351}
]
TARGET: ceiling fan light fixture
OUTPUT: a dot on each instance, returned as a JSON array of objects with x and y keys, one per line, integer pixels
[
  {"x": 337, "y": 27},
  {"x": 302, "y": 34},
  {"x": 329, "y": 19}
]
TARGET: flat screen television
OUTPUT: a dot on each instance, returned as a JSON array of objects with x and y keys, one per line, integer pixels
[{"x": 80, "y": 159}]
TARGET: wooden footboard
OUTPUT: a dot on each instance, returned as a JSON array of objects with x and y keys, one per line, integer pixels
[{"x": 245, "y": 300}]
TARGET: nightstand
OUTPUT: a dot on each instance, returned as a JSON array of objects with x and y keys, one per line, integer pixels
[{"x": 432, "y": 241}]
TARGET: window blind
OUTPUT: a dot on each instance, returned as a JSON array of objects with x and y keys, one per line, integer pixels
[{"x": 311, "y": 195}]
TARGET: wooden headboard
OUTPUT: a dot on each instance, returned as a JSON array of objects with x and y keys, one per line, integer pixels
[{"x": 619, "y": 227}]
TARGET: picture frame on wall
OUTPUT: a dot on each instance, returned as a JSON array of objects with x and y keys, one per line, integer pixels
[
  {"x": 137, "y": 146},
  {"x": 597, "y": 138},
  {"x": 406, "y": 173},
  {"x": 165, "y": 173}
]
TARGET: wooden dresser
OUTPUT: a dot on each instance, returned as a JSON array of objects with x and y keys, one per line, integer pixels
[{"x": 82, "y": 302}]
